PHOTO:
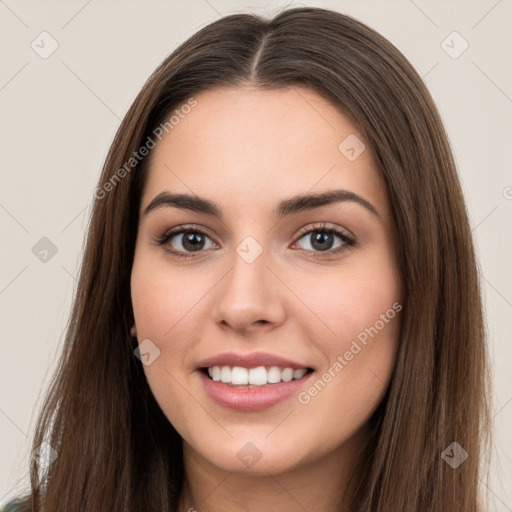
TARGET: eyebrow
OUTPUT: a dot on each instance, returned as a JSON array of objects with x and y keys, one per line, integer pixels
[{"x": 293, "y": 205}]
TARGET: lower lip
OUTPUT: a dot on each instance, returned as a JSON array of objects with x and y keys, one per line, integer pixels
[{"x": 252, "y": 399}]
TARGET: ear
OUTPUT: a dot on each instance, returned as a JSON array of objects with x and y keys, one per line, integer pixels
[{"x": 133, "y": 331}]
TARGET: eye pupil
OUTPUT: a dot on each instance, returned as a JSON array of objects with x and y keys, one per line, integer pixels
[
  {"x": 322, "y": 241},
  {"x": 193, "y": 241}
]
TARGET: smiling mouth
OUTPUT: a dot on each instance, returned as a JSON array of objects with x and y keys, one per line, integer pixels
[{"x": 239, "y": 376}]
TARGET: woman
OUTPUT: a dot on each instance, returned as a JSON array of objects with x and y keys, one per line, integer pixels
[{"x": 279, "y": 306}]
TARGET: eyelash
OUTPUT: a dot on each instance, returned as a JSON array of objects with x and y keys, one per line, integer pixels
[{"x": 347, "y": 240}]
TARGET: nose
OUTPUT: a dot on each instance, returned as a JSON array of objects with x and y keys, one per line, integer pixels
[{"x": 250, "y": 295}]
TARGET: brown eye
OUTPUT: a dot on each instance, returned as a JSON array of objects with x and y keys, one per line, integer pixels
[
  {"x": 185, "y": 242},
  {"x": 328, "y": 240}
]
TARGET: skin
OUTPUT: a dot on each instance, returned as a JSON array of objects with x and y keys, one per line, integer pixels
[{"x": 247, "y": 149}]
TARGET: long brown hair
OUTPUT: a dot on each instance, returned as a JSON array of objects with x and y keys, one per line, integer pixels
[{"x": 116, "y": 449}]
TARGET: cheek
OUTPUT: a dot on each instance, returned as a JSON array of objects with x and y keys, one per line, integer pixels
[
  {"x": 163, "y": 300},
  {"x": 363, "y": 310},
  {"x": 360, "y": 304},
  {"x": 163, "y": 307},
  {"x": 350, "y": 303}
]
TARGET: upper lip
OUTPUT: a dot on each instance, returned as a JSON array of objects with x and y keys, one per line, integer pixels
[{"x": 252, "y": 360}]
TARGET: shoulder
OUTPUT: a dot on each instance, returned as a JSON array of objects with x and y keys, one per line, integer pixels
[{"x": 13, "y": 506}]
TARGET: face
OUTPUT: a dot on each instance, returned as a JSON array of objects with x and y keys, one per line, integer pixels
[{"x": 241, "y": 288}]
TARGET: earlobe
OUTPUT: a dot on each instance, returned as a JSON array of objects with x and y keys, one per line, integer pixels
[{"x": 133, "y": 331}]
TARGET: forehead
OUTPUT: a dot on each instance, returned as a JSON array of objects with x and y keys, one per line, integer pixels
[{"x": 241, "y": 146}]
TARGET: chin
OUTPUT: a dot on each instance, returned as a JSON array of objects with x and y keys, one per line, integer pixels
[{"x": 257, "y": 457}]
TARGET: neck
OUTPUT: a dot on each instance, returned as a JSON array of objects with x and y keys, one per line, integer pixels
[{"x": 320, "y": 485}]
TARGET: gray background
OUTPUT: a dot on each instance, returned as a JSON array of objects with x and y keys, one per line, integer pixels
[{"x": 59, "y": 115}]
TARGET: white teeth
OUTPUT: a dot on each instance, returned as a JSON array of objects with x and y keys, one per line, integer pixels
[
  {"x": 215, "y": 373},
  {"x": 225, "y": 374},
  {"x": 239, "y": 376},
  {"x": 297, "y": 374},
  {"x": 287, "y": 374},
  {"x": 274, "y": 375},
  {"x": 258, "y": 376}
]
